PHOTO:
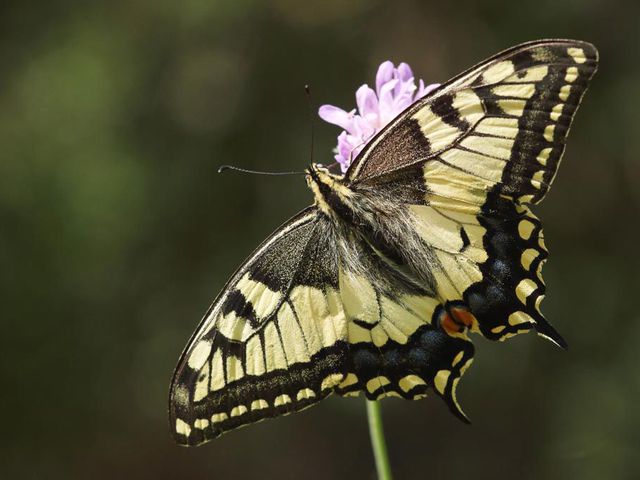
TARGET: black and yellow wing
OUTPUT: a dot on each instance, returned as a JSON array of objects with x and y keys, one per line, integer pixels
[
  {"x": 467, "y": 159},
  {"x": 312, "y": 311},
  {"x": 272, "y": 342},
  {"x": 318, "y": 309}
]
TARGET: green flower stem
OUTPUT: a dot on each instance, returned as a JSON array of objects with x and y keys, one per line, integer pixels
[{"x": 378, "y": 443}]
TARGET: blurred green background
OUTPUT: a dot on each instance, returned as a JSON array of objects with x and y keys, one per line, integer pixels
[{"x": 116, "y": 233}]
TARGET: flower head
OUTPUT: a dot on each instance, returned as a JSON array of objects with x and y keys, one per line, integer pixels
[{"x": 395, "y": 91}]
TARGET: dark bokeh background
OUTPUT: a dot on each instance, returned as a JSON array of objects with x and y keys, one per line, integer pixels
[{"x": 116, "y": 233}]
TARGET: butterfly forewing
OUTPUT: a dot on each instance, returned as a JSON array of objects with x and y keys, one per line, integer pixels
[
  {"x": 503, "y": 122},
  {"x": 272, "y": 343}
]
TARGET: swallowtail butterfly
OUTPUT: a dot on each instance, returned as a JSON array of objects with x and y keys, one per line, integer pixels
[{"x": 428, "y": 236}]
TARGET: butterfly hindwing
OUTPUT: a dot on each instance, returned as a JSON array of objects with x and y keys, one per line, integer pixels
[
  {"x": 396, "y": 345},
  {"x": 491, "y": 260}
]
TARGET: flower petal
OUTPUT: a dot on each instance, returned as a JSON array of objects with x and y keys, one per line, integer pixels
[
  {"x": 395, "y": 91},
  {"x": 366, "y": 100},
  {"x": 404, "y": 72},
  {"x": 423, "y": 91},
  {"x": 348, "y": 148},
  {"x": 404, "y": 95},
  {"x": 336, "y": 115},
  {"x": 343, "y": 149},
  {"x": 385, "y": 94},
  {"x": 365, "y": 128},
  {"x": 385, "y": 73}
]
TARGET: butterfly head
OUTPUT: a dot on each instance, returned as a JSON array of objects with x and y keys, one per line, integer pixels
[{"x": 329, "y": 189}]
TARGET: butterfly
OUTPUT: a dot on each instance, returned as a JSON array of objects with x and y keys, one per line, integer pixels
[{"x": 427, "y": 237}]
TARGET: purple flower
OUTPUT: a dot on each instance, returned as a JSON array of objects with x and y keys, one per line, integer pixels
[{"x": 395, "y": 91}]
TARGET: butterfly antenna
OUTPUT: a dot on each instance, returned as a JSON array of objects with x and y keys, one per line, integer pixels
[
  {"x": 307, "y": 90},
  {"x": 223, "y": 168}
]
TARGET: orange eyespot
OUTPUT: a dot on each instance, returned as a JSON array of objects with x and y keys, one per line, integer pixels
[
  {"x": 463, "y": 316},
  {"x": 449, "y": 325},
  {"x": 456, "y": 319}
]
